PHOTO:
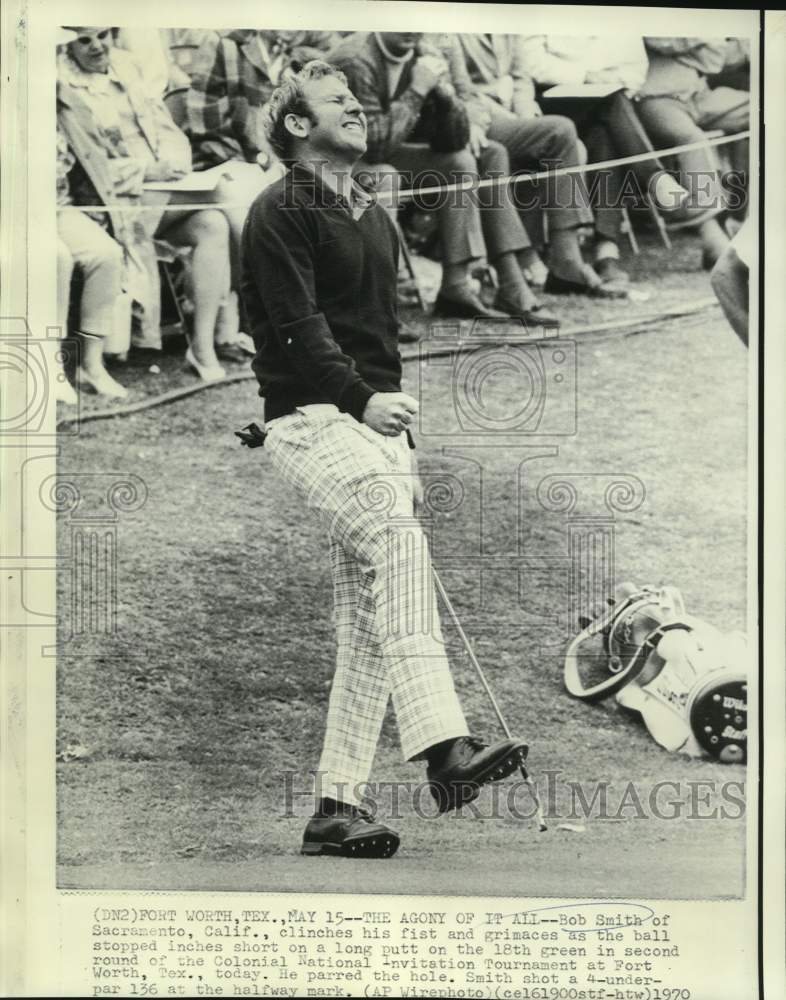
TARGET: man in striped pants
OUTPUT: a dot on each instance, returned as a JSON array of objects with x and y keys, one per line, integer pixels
[{"x": 319, "y": 283}]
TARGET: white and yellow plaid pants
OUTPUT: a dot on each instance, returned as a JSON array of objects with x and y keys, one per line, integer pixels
[{"x": 389, "y": 641}]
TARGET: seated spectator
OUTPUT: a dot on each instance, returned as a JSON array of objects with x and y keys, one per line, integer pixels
[
  {"x": 675, "y": 105},
  {"x": 121, "y": 138},
  {"x": 395, "y": 82},
  {"x": 494, "y": 74},
  {"x": 608, "y": 127},
  {"x": 82, "y": 243},
  {"x": 232, "y": 76}
]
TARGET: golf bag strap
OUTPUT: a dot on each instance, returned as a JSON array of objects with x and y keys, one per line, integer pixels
[{"x": 616, "y": 681}]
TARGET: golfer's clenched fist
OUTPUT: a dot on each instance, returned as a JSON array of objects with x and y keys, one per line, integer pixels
[{"x": 389, "y": 413}]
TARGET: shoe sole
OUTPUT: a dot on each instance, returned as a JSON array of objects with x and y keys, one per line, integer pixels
[
  {"x": 530, "y": 318},
  {"x": 485, "y": 312},
  {"x": 461, "y": 793},
  {"x": 376, "y": 846}
]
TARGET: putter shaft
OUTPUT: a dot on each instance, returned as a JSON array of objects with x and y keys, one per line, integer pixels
[{"x": 479, "y": 670}]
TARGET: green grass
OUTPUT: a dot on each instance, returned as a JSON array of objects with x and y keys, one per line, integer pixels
[{"x": 217, "y": 680}]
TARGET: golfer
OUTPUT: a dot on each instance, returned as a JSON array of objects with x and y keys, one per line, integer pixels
[{"x": 320, "y": 260}]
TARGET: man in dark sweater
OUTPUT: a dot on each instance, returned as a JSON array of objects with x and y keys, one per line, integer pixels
[{"x": 319, "y": 283}]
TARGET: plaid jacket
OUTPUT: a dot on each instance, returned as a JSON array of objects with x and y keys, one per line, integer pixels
[{"x": 230, "y": 86}]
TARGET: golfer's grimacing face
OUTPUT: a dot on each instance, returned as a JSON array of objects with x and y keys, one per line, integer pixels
[{"x": 340, "y": 122}]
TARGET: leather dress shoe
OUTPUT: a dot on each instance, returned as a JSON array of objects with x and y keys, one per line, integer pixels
[
  {"x": 466, "y": 305},
  {"x": 470, "y": 763},
  {"x": 354, "y": 834},
  {"x": 535, "y": 315},
  {"x": 596, "y": 290},
  {"x": 608, "y": 268}
]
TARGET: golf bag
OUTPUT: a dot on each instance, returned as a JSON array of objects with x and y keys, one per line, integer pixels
[{"x": 686, "y": 679}]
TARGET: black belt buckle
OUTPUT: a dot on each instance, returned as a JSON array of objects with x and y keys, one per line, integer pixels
[{"x": 252, "y": 436}]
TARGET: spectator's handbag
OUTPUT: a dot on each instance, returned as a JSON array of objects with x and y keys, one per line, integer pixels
[
  {"x": 443, "y": 122},
  {"x": 686, "y": 679}
]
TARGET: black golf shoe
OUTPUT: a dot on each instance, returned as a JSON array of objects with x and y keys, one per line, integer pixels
[
  {"x": 355, "y": 834},
  {"x": 468, "y": 764}
]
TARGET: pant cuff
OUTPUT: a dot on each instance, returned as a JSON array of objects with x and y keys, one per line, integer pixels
[
  {"x": 333, "y": 784},
  {"x": 415, "y": 749}
]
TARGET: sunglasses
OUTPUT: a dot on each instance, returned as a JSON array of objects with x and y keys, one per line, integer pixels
[{"x": 86, "y": 40}]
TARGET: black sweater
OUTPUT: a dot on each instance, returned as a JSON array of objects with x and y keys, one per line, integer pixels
[{"x": 319, "y": 288}]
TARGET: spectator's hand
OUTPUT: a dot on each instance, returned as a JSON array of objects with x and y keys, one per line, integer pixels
[
  {"x": 302, "y": 54},
  {"x": 127, "y": 176},
  {"x": 503, "y": 88},
  {"x": 526, "y": 108},
  {"x": 426, "y": 72},
  {"x": 389, "y": 413},
  {"x": 477, "y": 139},
  {"x": 445, "y": 88},
  {"x": 596, "y": 76},
  {"x": 163, "y": 170}
]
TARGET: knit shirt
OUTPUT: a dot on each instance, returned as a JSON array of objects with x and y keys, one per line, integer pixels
[{"x": 319, "y": 287}]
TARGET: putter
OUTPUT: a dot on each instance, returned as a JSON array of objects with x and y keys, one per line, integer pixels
[{"x": 539, "y": 818}]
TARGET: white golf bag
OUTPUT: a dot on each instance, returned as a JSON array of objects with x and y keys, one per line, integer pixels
[{"x": 686, "y": 679}]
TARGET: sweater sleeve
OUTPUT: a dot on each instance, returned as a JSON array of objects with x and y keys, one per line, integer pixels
[
  {"x": 386, "y": 129},
  {"x": 278, "y": 242}
]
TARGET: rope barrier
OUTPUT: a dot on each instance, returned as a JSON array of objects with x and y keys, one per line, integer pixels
[
  {"x": 468, "y": 185},
  {"x": 627, "y": 325}
]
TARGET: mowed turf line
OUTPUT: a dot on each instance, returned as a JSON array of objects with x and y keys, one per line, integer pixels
[{"x": 215, "y": 686}]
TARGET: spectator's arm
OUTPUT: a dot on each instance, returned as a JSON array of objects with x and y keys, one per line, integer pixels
[
  {"x": 65, "y": 161},
  {"x": 173, "y": 143},
  {"x": 730, "y": 283},
  {"x": 128, "y": 175},
  {"x": 544, "y": 68},
  {"x": 386, "y": 130},
  {"x": 209, "y": 111},
  {"x": 737, "y": 53},
  {"x": 708, "y": 53},
  {"x": 281, "y": 248},
  {"x": 677, "y": 46},
  {"x": 322, "y": 41},
  {"x": 451, "y": 50},
  {"x": 628, "y": 65},
  {"x": 524, "y": 103},
  {"x": 171, "y": 148}
]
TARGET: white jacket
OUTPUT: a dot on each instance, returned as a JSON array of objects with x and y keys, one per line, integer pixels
[{"x": 555, "y": 59}]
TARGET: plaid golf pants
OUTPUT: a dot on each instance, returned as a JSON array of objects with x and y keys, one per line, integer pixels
[{"x": 389, "y": 641}]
